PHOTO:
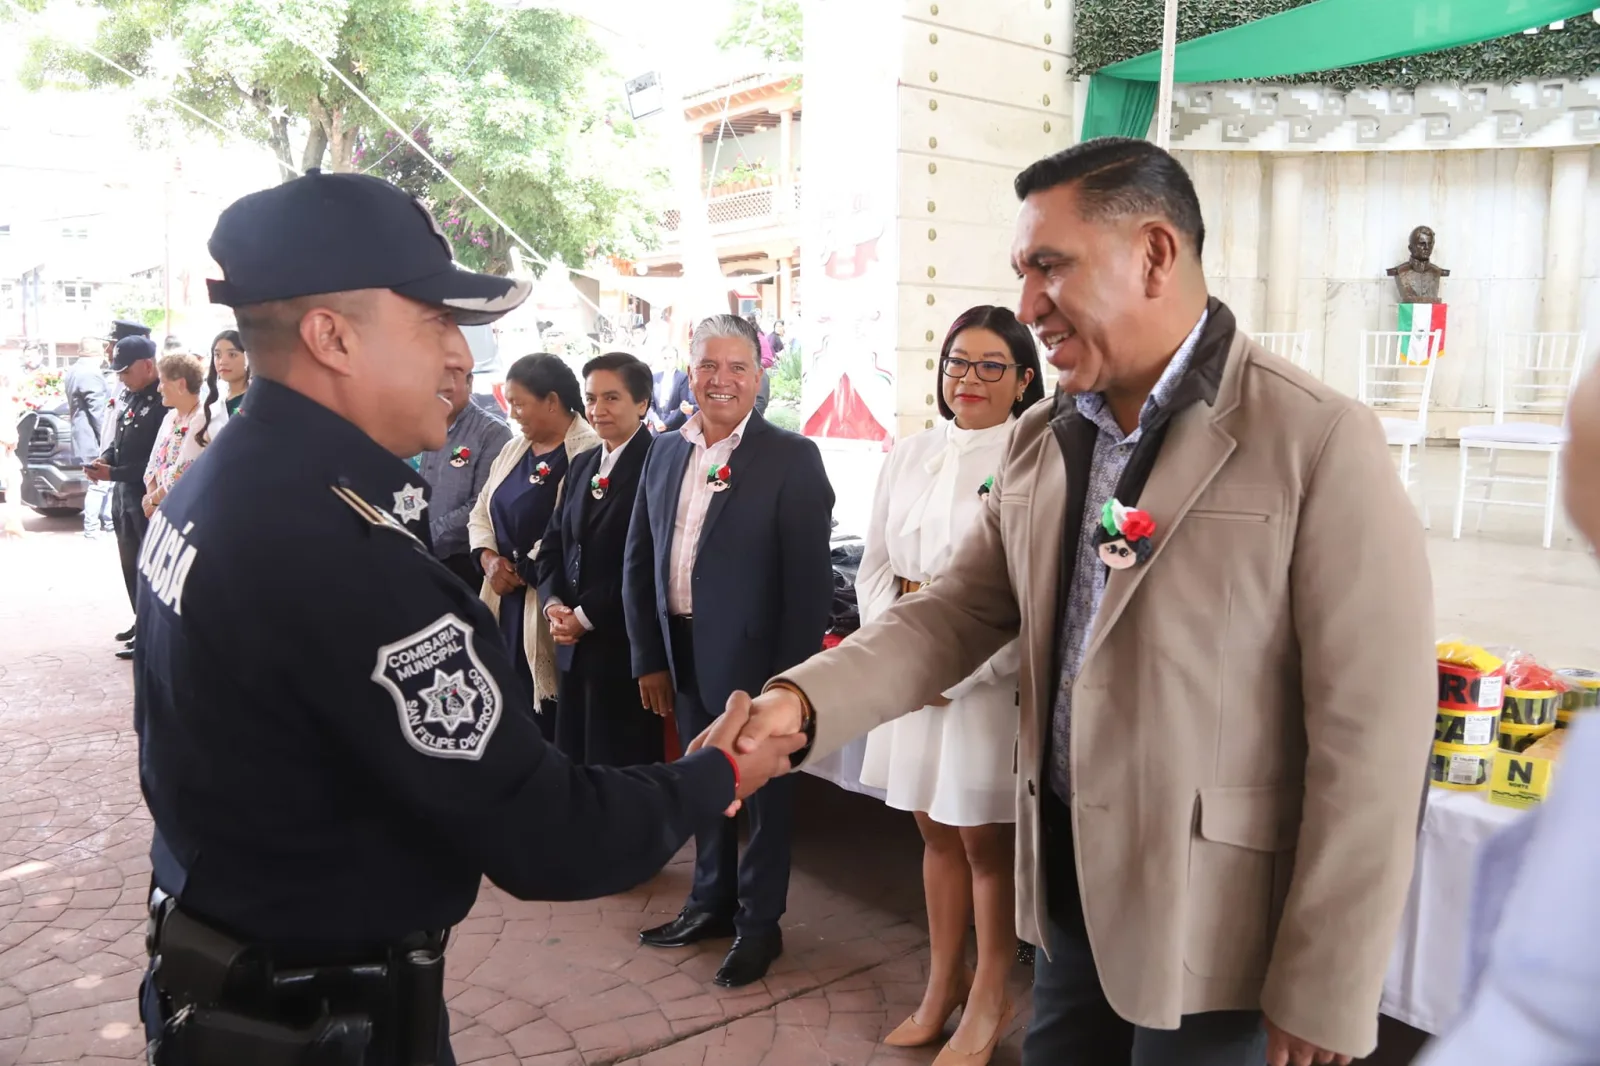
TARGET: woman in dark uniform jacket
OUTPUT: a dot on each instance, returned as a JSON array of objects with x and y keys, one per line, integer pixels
[{"x": 599, "y": 720}]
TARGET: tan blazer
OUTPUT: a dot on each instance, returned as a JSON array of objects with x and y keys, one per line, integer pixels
[
  {"x": 537, "y": 643},
  {"x": 1252, "y": 718}
]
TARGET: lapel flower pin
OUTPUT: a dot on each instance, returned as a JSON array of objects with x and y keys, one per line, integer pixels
[
  {"x": 1123, "y": 535},
  {"x": 719, "y": 476},
  {"x": 459, "y": 457},
  {"x": 540, "y": 472},
  {"x": 987, "y": 487},
  {"x": 598, "y": 486}
]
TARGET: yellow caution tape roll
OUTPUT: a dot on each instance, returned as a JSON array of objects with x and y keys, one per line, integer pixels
[
  {"x": 1522, "y": 780},
  {"x": 1529, "y": 707},
  {"x": 1522, "y": 737},
  {"x": 1458, "y": 767},
  {"x": 1474, "y": 729},
  {"x": 1583, "y": 691},
  {"x": 1460, "y": 653}
]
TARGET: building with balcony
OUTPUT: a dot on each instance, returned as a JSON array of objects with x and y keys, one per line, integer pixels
[{"x": 748, "y": 134}]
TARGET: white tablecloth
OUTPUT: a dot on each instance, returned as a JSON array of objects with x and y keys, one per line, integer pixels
[{"x": 1423, "y": 986}]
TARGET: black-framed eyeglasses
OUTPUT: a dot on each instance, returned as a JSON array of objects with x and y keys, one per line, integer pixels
[{"x": 990, "y": 370}]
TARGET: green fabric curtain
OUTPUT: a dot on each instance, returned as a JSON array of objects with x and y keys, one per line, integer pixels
[
  {"x": 1325, "y": 35},
  {"x": 1118, "y": 107}
]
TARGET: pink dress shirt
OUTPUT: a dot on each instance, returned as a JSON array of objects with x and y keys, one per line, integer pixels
[{"x": 693, "y": 503}]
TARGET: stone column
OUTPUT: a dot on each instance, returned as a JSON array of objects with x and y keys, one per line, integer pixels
[
  {"x": 1283, "y": 248},
  {"x": 786, "y": 146},
  {"x": 1563, "y": 261}
]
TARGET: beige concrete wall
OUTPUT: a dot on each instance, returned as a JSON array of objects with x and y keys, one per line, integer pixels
[
  {"x": 1493, "y": 216},
  {"x": 982, "y": 94}
]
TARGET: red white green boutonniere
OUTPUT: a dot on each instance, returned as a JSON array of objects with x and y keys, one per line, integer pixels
[
  {"x": 987, "y": 487},
  {"x": 1123, "y": 535},
  {"x": 719, "y": 476},
  {"x": 598, "y": 486},
  {"x": 540, "y": 472},
  {"x": 459, "y": 456}
]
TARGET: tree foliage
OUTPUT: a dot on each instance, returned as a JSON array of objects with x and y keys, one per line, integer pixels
[
  {"x": 771, "y": 28},
  {"x": 519, "y": 104},
  {"x": 1109, "y": 31}
]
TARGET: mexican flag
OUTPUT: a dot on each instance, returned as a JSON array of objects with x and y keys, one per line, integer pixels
[{"x": 1421, "y": 320}]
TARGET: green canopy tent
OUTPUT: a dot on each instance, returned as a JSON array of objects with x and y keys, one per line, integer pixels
[{"x": 1325, "y": 35}]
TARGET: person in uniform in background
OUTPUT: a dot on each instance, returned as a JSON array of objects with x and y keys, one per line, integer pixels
[
  {"x": 599, "y": 717},
  {"x": 949, "y": 763},
  {"x": 514, "y": 509},
  {"x": 188, "y": 428},
  {"x": 369, "y": 765},
  {"x": 88, "y": 405},
  {"x": 123, "y": 463},
  {"x": 231, "y": 367},
  {"x": 457, "y": 474},
  {"x": 727, "y": 571}
]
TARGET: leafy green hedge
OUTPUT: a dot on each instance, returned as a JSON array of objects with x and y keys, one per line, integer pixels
[{"x": 1112, "y": 30}]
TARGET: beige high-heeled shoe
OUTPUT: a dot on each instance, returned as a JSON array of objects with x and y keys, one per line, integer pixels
[
  {"x": 912, "y": 1033},
  {"x": 949, "y": 1056}
]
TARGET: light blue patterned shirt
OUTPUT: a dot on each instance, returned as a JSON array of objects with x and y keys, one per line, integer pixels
[{"x": 1112, "y": 450}]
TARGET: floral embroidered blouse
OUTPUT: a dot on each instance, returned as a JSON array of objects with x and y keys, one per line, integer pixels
[{"x": 177, "y": 447}]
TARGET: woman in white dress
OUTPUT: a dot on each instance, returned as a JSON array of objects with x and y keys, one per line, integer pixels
[{"x": 954, "y": 763}]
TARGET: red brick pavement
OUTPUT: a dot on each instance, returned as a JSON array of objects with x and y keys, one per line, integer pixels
[{"x": 536, "y": 983}]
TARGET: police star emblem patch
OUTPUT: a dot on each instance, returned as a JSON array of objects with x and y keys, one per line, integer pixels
[
  {"x": 447, "y": 701},
  {"x": 409, "y": 503}
]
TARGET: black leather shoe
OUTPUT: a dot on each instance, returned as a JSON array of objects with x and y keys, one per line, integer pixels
[
  {"x": 126, "y": 634},
  {"x": 749, "y": 958},
  {"x": 689, "y": 927},
  {"x": 126, "y": 654}
]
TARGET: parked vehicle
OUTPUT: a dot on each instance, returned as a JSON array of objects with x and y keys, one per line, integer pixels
[{"x": 52, "y": 481}]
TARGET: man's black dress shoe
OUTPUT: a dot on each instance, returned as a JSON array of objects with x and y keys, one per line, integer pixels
[
  {"x": 126, "y": 634},
  {"x": 125, "y": 654},
  {"x": 749, "y": 958},
  {"x": 689, "y": 927}
]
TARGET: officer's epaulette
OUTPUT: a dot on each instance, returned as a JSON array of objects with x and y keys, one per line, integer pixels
[{"x": 377, "y": 516}]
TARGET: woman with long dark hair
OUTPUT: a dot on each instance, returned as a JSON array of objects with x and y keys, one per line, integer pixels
[
  {"x": 230, "y": 366},
  {"x": 512, "y": 512},
  {"x": 950, "y": 762}
]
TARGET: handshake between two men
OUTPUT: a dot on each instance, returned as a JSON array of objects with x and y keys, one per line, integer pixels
[{"x": 759, "y": 735}]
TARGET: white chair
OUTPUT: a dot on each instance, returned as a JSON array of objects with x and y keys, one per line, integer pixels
[
  {"x": 1396, "y": 371},
  {"x": 1292, "y": 346},
  {"x": 1537, "y": 372}
]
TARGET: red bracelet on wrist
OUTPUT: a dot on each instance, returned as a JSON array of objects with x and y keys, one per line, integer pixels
[{"x": 735, "y": 764}]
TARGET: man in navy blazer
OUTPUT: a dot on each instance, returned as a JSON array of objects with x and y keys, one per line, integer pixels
[
  {"x": 671, "y": 402},
  {"x": 727, "y": 581}
]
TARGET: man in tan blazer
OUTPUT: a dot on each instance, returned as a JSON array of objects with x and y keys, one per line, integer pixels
[{"x": 1222, "y": 745}]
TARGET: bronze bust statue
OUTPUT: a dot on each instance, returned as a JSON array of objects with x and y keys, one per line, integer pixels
[{"x": 1417, "y": 278}]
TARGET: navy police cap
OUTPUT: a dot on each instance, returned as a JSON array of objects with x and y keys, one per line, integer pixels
[
  {"x": 121, "y": 327},
  {"x": 326, "y": 233},
  {"x": 130, "y": 350}
]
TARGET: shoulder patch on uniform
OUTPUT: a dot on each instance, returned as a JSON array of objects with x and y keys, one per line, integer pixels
[
  {"x": 377, "y": 516},
  {"x": 448, "y": 703}
]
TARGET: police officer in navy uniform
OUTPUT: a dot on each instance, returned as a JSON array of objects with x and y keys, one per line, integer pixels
[
  {"x": 138, "y": 422},
  {"x": 334, "y": 745}
]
